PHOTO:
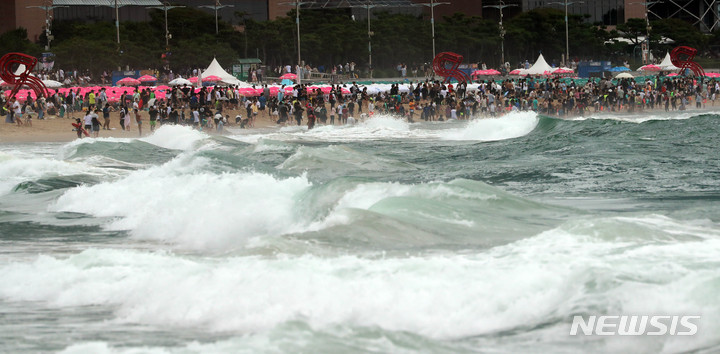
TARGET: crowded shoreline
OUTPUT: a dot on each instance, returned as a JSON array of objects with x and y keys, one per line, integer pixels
[{"x": 138, "y": 111}]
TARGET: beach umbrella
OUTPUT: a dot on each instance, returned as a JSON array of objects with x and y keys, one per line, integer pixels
[
  {"x": 714, "y": 75},
  {"x": 563, "y": 71},
  {"x": 618, "y": 69},
  {"x": 624, "y": 76},
  {"x": 288, "y": 76},
  {"x": 517, "y": 72},
  {"x": 147, "y": 78},
  {"x": 52, "y": 83},
  {"x": 180, "y": 81},
  {"x": 673, "y": 74},
  {"x": 212, "y": 78},
  {"x": 128, "y": 81},
  {"x": 249, "y": 91},
  {"x": 485, "y": 72},
  {"x": 193, "y": 79},
  {"x": 649, "y": 67}
]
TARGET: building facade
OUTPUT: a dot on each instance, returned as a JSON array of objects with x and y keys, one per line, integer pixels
[
  {"x": 16, "y": 13},
  {"x": 606, "y": 12}
]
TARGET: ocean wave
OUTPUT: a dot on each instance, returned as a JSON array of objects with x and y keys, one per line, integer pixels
[
  {"x": 190, "y": 202},
  {"x": 512, "y": 125},
  {"x": 14, "y": 171},
  {"x": 642, "y": 117},
  {"x": 527, "y": 290}
]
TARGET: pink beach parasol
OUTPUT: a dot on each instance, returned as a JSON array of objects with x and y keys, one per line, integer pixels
[
  {"x": 649, "y": 67},
  {"x": 211, "y": 78},
  {"x": 147, "y": 78},
  {"x": 128, "y": 81}
]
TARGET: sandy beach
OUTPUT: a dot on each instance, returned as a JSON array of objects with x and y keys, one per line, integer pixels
[{"x": 54, "y": 129}]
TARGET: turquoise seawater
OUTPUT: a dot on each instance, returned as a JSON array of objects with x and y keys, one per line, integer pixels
[{"x": 481, "y": 236}]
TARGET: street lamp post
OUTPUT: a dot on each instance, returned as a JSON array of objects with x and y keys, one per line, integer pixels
[
  {"x": 500, "y": 7},
  {"x": 297, "y": 5},
  {"x": 297, "y": 22},
  {"x": 165, "y": 8},
  {"x": 216, "y": 7},
  {"x": 432, "y": 5},
  {"x": 369, "y": 6},
  {"x": 567, "y": 36},
  {"x": 647, "y": 5},
  {"x": 48, "y": 19}
]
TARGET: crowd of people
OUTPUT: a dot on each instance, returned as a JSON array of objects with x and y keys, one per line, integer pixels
[{"x": 428, "y": 100}]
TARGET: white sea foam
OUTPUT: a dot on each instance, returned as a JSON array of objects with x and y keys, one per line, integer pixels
[
  {"x": 15, "y": 170},
  {"x": 177, "y": 202},
  {"x": 557, "y": 274},
  {"x": 647, "y": 116},
  {"x": 377, "y": 127},
  {"x": 381, "y": 127},
  {"x": 175, "y": 137},
  {"x": 512, "y": 125},
  {"x": 182, "y": 203}
]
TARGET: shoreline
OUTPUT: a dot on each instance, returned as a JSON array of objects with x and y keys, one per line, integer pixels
[{"x": 60, "y": 130}]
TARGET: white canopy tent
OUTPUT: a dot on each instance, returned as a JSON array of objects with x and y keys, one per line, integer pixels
[
  {"x": 179, "y": 81},
  {"x": 215, "y": 69},
  {"x": 667, "y": 63},
  {"x": 540, "y": 67}
]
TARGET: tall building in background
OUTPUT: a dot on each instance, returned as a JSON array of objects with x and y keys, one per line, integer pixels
[
  {"x": 703, "y": 14},
  {"x": 606, "y": 12},
  {"x": 466, "y": 7},
  {"x": 17, "y": 14},
  {"x": 230, "y": 11}
]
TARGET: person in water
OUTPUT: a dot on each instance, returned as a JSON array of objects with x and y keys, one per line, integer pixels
[{"x": 310, "y": 116}]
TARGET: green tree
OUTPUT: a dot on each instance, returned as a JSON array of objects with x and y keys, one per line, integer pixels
[{"x": 16, "y": 41}]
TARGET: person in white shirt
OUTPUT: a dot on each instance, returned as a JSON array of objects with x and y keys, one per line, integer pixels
[
  {"x": 196, "y": 118},
  {"x": 17, "y": 112},
  {"x": 88, "y": 121}
]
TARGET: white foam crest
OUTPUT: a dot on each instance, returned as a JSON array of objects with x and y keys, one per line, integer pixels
[
  {"x": 265, "y": 145},
  {"x": 339, "y": 157},
  {"x": 178, "y": 203},
  {"x": 175, "y": 137},
  {"x": 641, "y": 117},
  {"x": 554, "y": 275},
  {"x": 16, "y": 170},
  {"x": 366, "y": 195},
  {"x": 385, "y": 122},
  {"x": 377, "y": 127},
  {"x": 512, "y": 125}
]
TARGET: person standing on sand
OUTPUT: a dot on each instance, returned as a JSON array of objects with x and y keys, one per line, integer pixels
[
  {"x": 96, "y": 123},
  {"x": 78, "y": 128},
  {"x": 138, "y": 120},
  {"x": 106, "y": 117},
  {"x": 128, "y": 119},
  {"x": 7, "y": 110},
  {"x": 17, "y": 111},
  {"x": 122, "y": 117},
  {"x": 88, "y": 120}
]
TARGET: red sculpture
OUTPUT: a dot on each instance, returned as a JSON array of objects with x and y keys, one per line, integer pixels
[
  {"x": 441, "y": 62},
  {"x": 6, "y": 73},
  {"x": 682, "y": 58}
]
